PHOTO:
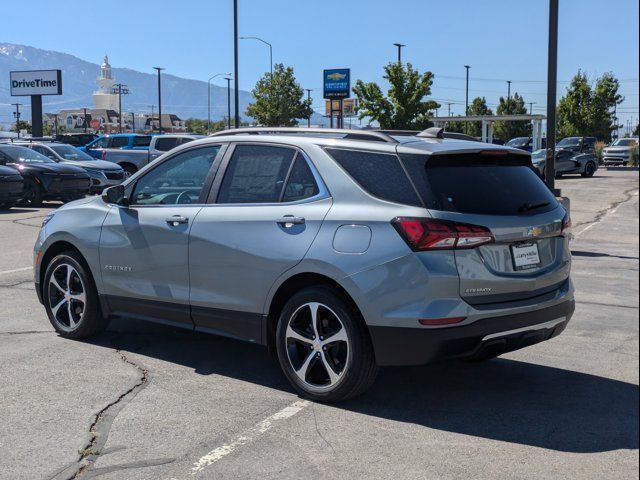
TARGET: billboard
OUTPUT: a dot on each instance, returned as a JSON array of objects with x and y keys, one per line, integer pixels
[
  {"x": 348, "y": 107},
  {"x": 36, "y": 82},
  {"x": 336, "y": 83}
]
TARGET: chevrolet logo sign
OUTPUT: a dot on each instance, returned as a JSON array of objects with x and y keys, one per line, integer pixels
[
  {"x": 534, "y": 232},
  {"x": 336, "y": 76}
]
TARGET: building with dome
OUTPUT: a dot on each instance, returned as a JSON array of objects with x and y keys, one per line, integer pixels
[{"x": 104, "y": 98}]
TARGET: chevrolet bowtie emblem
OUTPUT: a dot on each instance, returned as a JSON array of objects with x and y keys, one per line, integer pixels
[{"x": 534, "y": 232}]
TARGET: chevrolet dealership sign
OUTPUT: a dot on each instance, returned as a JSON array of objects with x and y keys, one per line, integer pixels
[{"x": 36, "y": 82}]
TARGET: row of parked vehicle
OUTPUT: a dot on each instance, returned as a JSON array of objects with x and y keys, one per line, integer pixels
[{"x": 65, "y": 168}]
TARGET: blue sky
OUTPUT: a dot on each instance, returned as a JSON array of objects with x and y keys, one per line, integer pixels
[{"x": 501, "y": 40}]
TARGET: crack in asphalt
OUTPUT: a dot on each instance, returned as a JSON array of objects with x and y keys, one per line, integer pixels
[
  {"x": 631, "y": 307},
  {"x": 628, "y": 194},
  {"x": 24, "y": 332}
]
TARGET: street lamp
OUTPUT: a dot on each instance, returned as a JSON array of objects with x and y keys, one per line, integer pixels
[
  {"x": 508, "y": 97},
  {"x": 236, "y": 94},
  {"x": 119, "y": 89},
  {"x": 270, "y": 49},
  {"x": 466, "y": 102},
  {"x": 209, "y": 99},
  {"x": 229, "y": 103},
  {"x": 552, "y": 78},
  {"x": 159, "y": 69},
  {"x": 309, "y": 98},
  {"x": 399, "y": 46}
]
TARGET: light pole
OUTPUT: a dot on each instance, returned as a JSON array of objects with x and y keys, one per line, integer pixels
[
  {"x": 466, "y": 102},
  {"x": 508, "y": 97},
  {"x": 309, "y": 98},
  {"x": 449, "y": 105},
  {"x": 236, "y": 95},
  {"x": 84, "y": 119},
  {"x": 209, "y": 99},
  {"x": 270, "y": 49},
  {"x": 552, "y": 79},
  {"x": 16, "y": 114},
  {"x": 120, "y": 89},
  {"x": 228, "y": 102},
  {"x": 159, "y": 69},
  {"x": 399, "y": 46}
]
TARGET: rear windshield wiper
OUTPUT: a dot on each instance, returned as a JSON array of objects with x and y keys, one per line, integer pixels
[{"x": 525, "y": 207}]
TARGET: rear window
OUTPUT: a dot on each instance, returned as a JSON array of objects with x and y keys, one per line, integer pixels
[
  {"x": 119, "y": 142},
  {"x": 380, "y": 174},
  {"x": 479, "y": 186},
  {"x": 166, "y": 144},
  {"x": 141, "y": 141}
]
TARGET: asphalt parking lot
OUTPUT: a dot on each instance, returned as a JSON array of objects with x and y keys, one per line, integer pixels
[{"x": 151, "y": 402}]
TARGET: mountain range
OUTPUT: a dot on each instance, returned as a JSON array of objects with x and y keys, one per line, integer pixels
[{"x": 186, "y": 98}]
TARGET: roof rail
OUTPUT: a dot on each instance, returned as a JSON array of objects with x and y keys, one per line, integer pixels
[{"x": 347, "y": 134}]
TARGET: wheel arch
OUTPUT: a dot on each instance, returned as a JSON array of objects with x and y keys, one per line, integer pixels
[{"x": 129, "y": 166}]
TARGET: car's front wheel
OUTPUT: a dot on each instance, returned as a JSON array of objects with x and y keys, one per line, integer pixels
[
  {"x": 323, "y": 346},
  {"x": 589, "y": 169},
  {"x": 70, "y": 297},
  {"x": 32, "y": 195}
]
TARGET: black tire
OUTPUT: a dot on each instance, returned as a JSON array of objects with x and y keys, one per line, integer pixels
[
  {"x": 359, "y": 367},
  {"x": 128, "y": 170},
  {"x": 90, "y": 321},
  {"x": 32, "y": 195},
  {"x": 589, "y": 170},
  {"x": 6, "y": 205}
]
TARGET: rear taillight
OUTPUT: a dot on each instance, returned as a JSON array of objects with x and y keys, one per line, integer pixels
[
  {"x": 103, "y": 155},
  {"x": 567, "y": 225},
  {"x": 434, "y": 234}
]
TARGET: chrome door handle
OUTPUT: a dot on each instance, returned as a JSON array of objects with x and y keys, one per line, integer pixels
[
  {"x": 289, "y": 221},
  {"x": 177, "y": 220}
]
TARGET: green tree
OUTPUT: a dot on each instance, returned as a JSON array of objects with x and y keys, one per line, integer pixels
[
  {"x": 279, "y": 99},
  {"x": 478, "y": 107},
  {"x": 22, "y": 125},
  {"x": 508, "y": 130},
  {"x": 636, "y": 130},
  {"x": 455, "y": 127},
  {"x": 405, "y": 106},
  {"x": 587, "y": 110}
]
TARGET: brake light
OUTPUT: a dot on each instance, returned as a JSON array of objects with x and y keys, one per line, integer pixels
[
  {"x": 103, "y": 155},
  {"x": 567, "y": 225},
  {"x": 434, "y": 234}
]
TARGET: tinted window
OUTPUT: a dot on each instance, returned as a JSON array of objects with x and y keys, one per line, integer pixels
[
  {"x": 100, "y": 143},
  {"x": 141, "y": 141},
  {"x": 479, "y": 186},
  {"x": 256, "y": 174},
  {"x": 119, "y": 142},
  {"x": 70, "y": 153},
  {"x": 165, "y": 144},
  {"x": 301, "y": 183},
  {"x": 177, "y": 181},
  {"x": 380, "y": 174},
  {"x": 182, "y": 141},
  {"x": 25, "y": 155}
]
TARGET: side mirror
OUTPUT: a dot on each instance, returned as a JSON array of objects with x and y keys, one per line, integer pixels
[{"x": 115, "y": 195}]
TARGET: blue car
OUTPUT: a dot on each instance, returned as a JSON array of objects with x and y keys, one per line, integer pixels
[{"x": 123, "y": 141}]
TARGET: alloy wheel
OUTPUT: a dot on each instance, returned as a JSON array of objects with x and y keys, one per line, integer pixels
[
  {"x": 317, "y": 346},
  {"x": 66, "y": 296}
]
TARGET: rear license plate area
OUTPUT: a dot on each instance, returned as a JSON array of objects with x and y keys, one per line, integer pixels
[{"x": 525, "y": 256}]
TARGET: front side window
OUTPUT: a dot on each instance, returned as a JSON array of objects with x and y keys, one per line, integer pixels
[
  {"x": 256, "y": 174},
  {"x": 177, "y": 181},
  {"x": 100, "y": 143}
]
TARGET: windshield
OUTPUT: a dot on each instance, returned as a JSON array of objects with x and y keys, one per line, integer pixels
[
  {"x": 624, "y": 142},
  {"x": 539, "y": 154},
  {"x": 25, "y": 155},
  {"x": 518, "y": 142},
  {"x": 569, "y": 142},
  {"x": 71, "y": 153}
]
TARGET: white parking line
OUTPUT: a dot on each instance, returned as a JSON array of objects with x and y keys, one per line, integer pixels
[
  {"x": 16, "y": 270},
  {"x": 249, "y": 435}
]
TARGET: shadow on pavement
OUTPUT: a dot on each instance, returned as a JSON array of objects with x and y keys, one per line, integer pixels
[
  {"x": 504, "y": 400},
  {"x": 579, "y": 253}
]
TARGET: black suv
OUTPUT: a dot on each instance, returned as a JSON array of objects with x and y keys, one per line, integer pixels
[{"x": 76, "y": 139}]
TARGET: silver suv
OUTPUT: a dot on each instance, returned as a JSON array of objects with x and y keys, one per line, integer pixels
[{"x": 340, "y": 250}]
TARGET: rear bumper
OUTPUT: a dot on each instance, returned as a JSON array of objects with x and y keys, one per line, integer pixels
[{"x": 496, "y": 335}]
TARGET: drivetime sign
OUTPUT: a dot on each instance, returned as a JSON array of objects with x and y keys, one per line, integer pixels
[
  {"x": 337, "y": 83},
  {"x": 36, "y": 82}
]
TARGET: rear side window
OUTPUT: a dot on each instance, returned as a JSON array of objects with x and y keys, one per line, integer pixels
[
  {"x": 141, "y": 141},
  {"x": 301, "y": 183},
  {"x": 479, "y": 186},
  {"x": 255, "y": 174},
  {"x": 379, "y": 174},
  {"x": 166, "y": 144},
  {"x": 119, "y": 142}
]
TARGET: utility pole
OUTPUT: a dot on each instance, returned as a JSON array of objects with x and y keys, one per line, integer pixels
[
  {"x": 84, "y": 119},
  {"x": 449, "y": 106},
  {"x": 16, "y": 114},
  {"x": 159, "y": 69},
  {"x": 552, "y": 80},
  {"x": 228, "y": 102},
  {"x": 508, "y": 97},
  {"x": 236, "y": 97},
  {"x": 309, "y": 98},
  {"x": 133, "y": 122},
  {"x": 466, "y": 103},
  {"x": 120, "y": 89},
  {"x": 399, "y": 46}
]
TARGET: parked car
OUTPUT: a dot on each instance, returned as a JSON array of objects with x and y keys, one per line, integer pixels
[
  {"x": 11, "y": 184},
  {"x": 619, "y": 152},
  {"x": 133, "y": 160},
  {"x": 76, "y": 139},
  {"x": 340, "y": 250},
  {"x": 103, "y": 174},
  {"x": 567, "y": 162},
  {"x": 578, "y": 144},
  {"x": 44, "y": 179},
  {"x": 525, "y": 143},
  {"x": 121, "y": 141}
]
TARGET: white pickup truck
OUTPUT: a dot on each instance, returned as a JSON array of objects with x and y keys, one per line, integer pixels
[{"x": 133, "y": 160}]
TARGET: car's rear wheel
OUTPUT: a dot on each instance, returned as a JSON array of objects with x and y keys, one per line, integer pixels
[
  {"x": 323, "y": 346},
  {"x": 6, "y": 205},
  {"x": 70, "y": 297},
  {"x": 589, "y": 169},
  {"x": 32, "y": 195},
  {"x": 128, "y": 170}
]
